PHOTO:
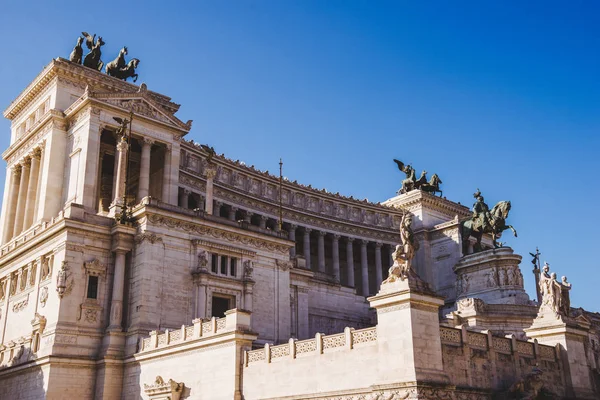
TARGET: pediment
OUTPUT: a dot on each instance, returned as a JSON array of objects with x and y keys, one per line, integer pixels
[{"x": 143, "y": 105}]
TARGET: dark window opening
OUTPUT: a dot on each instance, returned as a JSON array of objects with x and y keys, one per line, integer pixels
[
  {"x": 224, "y": 265},
  {"x": 232, "y": 266},
  {"x": 219, "y": 306},
  {"x": 92, "y": 291},
  {"x": 215, "y": 263}
]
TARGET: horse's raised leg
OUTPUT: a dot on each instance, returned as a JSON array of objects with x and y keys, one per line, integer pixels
[
  {"x": 513, "y": 229},
  {"x": 135, "y": 76}
]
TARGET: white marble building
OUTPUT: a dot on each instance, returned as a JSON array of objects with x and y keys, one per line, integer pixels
[{"x": 94, "y": 309}]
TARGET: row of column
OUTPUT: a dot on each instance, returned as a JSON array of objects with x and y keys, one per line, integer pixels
[
  {"x": 23, "y": 194},
  {"x": 335, "y": 256},
  {"x": 232, "y": 214},
  {"x": 120, "y": 170}
]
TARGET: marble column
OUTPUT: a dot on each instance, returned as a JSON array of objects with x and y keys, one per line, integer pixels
[
  {"x": 13, "y": 197},
  {"x": 23, "y": 185},
  {"x": 292, "y": 237},
  {"x": 350, "y": 261},
  {"x": 321, "y": 250},
  {"x": 166, "y": 175},
  {"x": 263, "y": 221},
  {"x": 116, "y": 305},
  {"x": 335, "y": 256},
  {"x": 185, "y": 198},
  {"x": 364, "y": 267},
  {"x": 232, "y": 212},
  {"x": 307, "y": 247},
  {"x": 248, "y": 217},
  {"x": 201, "y": 301},
  {"x": 378, "y": 271},
  {"x": 122, "y": 147},
  {"x": 211, "y": 172},
  {"x": 32, "y": 188},
  {"x": 144, "y": 184}
]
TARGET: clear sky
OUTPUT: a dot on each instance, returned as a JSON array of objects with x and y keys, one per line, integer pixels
[{"x": 501, "y": 96}]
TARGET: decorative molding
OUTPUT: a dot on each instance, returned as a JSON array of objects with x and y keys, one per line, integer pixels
[
  {"x": 95, "y": 268},
  {"x": 44, "y": 296},
  {"x": 151, "y": 237},
  {"x": 20, "y": 306},
  {"x": 217, "y": 233},
  {"x": 161, "y": 390}
]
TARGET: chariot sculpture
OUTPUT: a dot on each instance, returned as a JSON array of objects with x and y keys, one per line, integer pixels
[
  {"x": 412, "y": 183},
  {"x": 117, "y": 68}
]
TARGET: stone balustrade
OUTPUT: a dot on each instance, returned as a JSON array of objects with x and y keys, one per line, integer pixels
[
  {"x": 487, "y": 341},
  {"x": 321, "y": 344},
  {"x": 199, "y": 329}
]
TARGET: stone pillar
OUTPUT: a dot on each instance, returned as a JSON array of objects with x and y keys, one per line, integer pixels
[
  {"x": 11, "y": 206},
  {"x": 364, "y": 267},
  {"x": 335, "y": 255},
  {"x": 166, "y": 184},
  {"x": 116, "y": 166},
  {"x": 211, "y": 172},
  {"x": 248, "y": 290},
  {"x": 292, "y": 237},
  {"x": 32, "y": 188},
  {"x": 571, "y": 335},
  {"x": 116, "y": 305},
  {"x": 321, "y": 251},
  {"x": 122, "y": 148},
  {"x": 263, "y": 221},
  {"x": 378, "y": 271},
  {"x": 185, "y": 198},
  {"x": 307, "y": 247},
  {"x": 248, "y": 217},
  {"x": 144, "y": 184},
  {"x": 20, "y": 214},
  {"x": 408, "y": 336},
  {"x": 350, "y": 261},
  {"x": 232, "y": 212}
]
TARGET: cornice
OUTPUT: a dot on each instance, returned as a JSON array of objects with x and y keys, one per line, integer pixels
[
  {"x": 417, "y": 199},
  {"x": 239, "y": 166},
  {"x": 79, "y": 74}
]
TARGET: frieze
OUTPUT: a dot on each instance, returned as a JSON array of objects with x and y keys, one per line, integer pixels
[
  {"x": 146, "y": 236},
  {"x": 217, "y": 233},
  {"x": 212, "y": 245},
  {"x": 20, "y": 306},
  {"x": 65, "y": 339}
]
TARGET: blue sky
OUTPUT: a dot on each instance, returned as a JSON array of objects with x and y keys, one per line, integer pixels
[{"x": 501, "y": 96}]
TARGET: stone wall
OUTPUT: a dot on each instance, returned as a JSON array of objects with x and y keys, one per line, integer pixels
[{"x": 481, "y": 360}]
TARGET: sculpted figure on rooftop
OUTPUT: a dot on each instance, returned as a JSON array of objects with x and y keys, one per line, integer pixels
[
  {"x": 404, "y": 253},
  {"x": 411, "y": 182},
  {"x": 119, "y": 69},
  {"x": 485, "y": 220},
  {"x": 92, "y": 59},
  {"x": 555, "y": 294},
  {"x": 77, "y": 52}
]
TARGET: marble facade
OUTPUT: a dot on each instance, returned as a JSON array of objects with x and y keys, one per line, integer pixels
[{"x": 94, "y": 309}]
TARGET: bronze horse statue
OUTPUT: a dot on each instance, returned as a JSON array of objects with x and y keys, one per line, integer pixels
[
  {"x": 433, "y": 186},
  {"x": 495, "y": 225},
  {"x": 92, "y": 59},
  {"x": 128, "y": 71},
  {"x": 77, "y": 51},
  {"x": 117, "y": 63}
]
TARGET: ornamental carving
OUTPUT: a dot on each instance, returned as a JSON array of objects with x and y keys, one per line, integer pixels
[
  {"x": 20, "y": 306},
  {"x": 283, "y": 265},
  {"x": 44, "y": 296},
  {"x": 95, "y": 268},
  {"x": 217, "y": 233},
  {"x": 151, "y": 237},
  {"x": 160, "y": 389}
]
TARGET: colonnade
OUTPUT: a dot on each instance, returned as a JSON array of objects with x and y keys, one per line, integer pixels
[
  {"x": 364, "y": 263},
  {"x": 21, "y": 210}
]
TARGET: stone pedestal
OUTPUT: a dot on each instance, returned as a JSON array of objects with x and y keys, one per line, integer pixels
[
  {"x": 493, "y": 276},
  {"x": 571, "y": 334},
  {"x": 408, "y": 331}
]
